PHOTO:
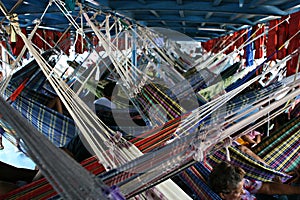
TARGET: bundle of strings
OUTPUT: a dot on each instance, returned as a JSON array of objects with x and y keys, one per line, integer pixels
[
  {"x": 148, "y": 141},
  {"x": 88, "y": 122},
  {"x": 141, "y": 143},
  {"x": 133, "y": 79},
  {"x": 184, "y": 153},
  {"x": 64, "y": 173}
]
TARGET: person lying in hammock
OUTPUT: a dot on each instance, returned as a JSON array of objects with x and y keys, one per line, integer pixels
[
  {"x": 106, "y": 109},
  {"x": 229, "y": 183}
]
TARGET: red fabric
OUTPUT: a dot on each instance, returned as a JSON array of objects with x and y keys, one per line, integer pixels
[
  {"x": 37, "y": 40},
  {"x": 50, "y": 37},
  {"x": 78, "y": 45},
  {"x": 16, "y": 47},
  {"x": 241, "y": 40},
  {"x": 282, "y": 36},
  {"x": 259, "y": 42},
  {"x": 64, "y": 43},
  {"x": 294, "y": 26},
  {"x": 231, "y": 39},
  {"x": 208, "y": 45},
  {"x": 16, "y": 93},
  {"x": 272, "y": 39}
]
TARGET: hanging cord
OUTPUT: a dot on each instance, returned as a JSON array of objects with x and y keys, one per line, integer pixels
[
  {"x": 63, "y": 91},
  {"x": 66, "y": 176},
  {"x": 126, "y": 77},
  {"x": 62, "y": 7},
  {"x": 211, "y": 59},
  {"x": 298, "y": 64},
  {"x": 17, "y": 60},
  {"x": 227, "y": 144},
  {"x": 268, "y": 124}
]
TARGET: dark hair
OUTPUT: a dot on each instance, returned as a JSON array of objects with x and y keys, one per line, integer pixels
[
  {"x": 225, "y": 177},
  {"x": 109, "y": 88}
]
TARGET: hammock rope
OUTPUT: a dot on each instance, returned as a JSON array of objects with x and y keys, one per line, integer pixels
[{"x": 64, "y": 173}]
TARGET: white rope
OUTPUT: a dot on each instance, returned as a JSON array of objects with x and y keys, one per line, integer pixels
[
  {"x": 62, "y": 8},
  {"x": 66, "y": 176},
  {"x": 78, "y": 110},
  {"x": 17, "y": 60},
  {"x": 120, "y": 65}
]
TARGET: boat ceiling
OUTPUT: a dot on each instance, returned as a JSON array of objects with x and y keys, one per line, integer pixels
[{"x": 198, "y": 19}]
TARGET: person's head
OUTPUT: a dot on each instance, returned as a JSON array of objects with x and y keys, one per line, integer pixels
[
  {"x": 109, "y": 89},
  {"x": 227, "y": 181}
]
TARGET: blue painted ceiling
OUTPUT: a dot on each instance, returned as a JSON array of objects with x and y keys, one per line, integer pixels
[{"x": 202, "y": 19}]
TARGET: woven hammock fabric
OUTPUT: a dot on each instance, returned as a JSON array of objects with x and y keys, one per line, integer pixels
[
  {"x": 281, "y": 149},
  {"x": 41, "y": 189},
  {"x": 196, "y": 178},
  {"x": 260, "y": 172},
  {"x": 58, "y": 128},
  {"x": 64, "y": 173}
]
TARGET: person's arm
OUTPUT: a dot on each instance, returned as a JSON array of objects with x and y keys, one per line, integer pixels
[
  {"x": 248, "y": 151},
  {"x": 247, "y": 138},
  {"x": 258, "y": 139},
  {"x": 278, "y": 188}
]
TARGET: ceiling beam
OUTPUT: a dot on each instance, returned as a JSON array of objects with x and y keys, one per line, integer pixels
[
  {"x": 142, "y": 1},
  {"x": 281, "y": 2},
  {"x": 179, "y": 2},
  {"x": 217, "y": 2},
  {"x": 194, "y": 19},
  {"x": 255, "y": 3},
  {"x": 155, "y": 13},
  {"x": 208, "y": 15},
  {"x": 291, "y": 4},
  {"x": 181, "y": 13},
  {"x": 236, "y": 16},
  {"x": 230, "y": 8}
]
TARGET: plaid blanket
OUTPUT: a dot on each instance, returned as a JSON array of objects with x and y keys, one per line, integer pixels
[{"x": 56, "y": 127}]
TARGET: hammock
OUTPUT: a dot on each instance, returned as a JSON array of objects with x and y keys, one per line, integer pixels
[
  {"x": 281, "y": 149},
  {"x": 196, "y": 178},
  {"x": 58, "y": 128},
  {"x": 254, "y": 169},
  {"x": 41, "y": 189},
  {"x": 159, "y": 139}
]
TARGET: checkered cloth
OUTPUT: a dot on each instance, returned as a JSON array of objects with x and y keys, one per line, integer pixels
[
  {"x": 58, "y": 128},
  {"x": 253, "y": 168},
  {"x": 196, "y": 178},
  {"x": 281, "y": 149}
]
